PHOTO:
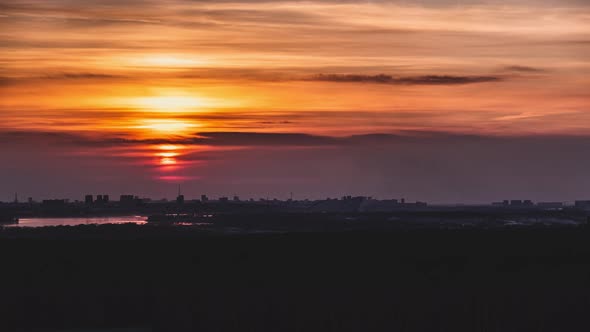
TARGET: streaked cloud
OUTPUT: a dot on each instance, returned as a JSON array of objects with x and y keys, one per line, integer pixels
[
  {"x": 524, "y": 69},
  {"x": 418, "y": 80}
]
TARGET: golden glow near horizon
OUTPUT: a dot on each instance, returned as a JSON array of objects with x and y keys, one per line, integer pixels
[
  {"x": 168, "y": 126},
  {"x": 152, "y": 70},
  {"x": 169, "y": 61},
  {"x": 170, "y": 104},
  {"x": 171, "y": 100}
]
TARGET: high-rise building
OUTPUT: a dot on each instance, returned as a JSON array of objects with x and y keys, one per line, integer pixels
[
  {"x": 180, "y": 199},
  {"x": 127, "y": 199},
  {"x": 88, "y": 199}
]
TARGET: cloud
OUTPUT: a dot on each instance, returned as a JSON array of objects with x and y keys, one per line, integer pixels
[
  {"x": 213, "y": 139},
  {"x": 80, "y": 76},
  {"x": 262, "y": 75},
  {"x": 12, "y": 137},
  {"x": 255, "y": 139},
  {"x": 523, "y": 69},
  {"x": 7, "y": 81},
  {"x": 276, "y": 122},
  {"x": 408, "y": 80}
]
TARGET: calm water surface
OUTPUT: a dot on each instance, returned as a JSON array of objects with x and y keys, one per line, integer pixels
[{"x": 39, "y": 222}]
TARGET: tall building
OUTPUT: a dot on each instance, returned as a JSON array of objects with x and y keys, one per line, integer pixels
[
  {"x": 127, "y": 199},
  {"x": 180, "y": 199},
  {"x": 89, "y": 199}
]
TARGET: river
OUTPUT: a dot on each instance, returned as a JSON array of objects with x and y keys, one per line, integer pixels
[{"x": 40, "y": 222}]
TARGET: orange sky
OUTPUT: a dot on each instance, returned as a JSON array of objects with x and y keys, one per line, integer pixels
[
  {"x": 147, "y": 70},
  {"x": 150, "y": 68}
]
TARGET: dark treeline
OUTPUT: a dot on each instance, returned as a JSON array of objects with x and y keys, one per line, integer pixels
[{"x": 184, "y": 279}]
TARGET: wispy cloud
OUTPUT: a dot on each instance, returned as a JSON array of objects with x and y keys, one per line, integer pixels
[
  {"x": 264, "y": 139},
  {"x": 410, "y": 80},
  {"x": 80, "y": 76},
  {"x": 524, "y": 69}
]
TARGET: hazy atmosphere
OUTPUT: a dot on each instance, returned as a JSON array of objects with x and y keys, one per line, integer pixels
[{"x": 444, "y": 101}]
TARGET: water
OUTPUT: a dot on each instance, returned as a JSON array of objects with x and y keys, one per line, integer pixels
[{"x": 40, "y": 222}]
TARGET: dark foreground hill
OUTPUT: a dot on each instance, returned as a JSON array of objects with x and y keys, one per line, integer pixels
[{"x": 180, "y": 279}]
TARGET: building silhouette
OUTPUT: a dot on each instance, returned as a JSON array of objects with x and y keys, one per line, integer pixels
[{"x": 180, "y": 199}]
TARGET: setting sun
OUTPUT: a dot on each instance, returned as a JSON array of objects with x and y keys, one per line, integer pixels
[
  {"x": 171, "y": 103},
  {"x": 168, "y": 147},
  {"x": 168, "y": 161},
  {"x": 168, "y": 126},
  {"x": 172, "y": 61},
  {"x": 167, "y": 155}
]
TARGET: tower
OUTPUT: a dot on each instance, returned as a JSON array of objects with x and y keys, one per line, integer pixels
[{"x": 180, "y": 197}]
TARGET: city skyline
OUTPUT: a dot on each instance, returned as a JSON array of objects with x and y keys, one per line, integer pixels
[{"x": 92, "y": 199}]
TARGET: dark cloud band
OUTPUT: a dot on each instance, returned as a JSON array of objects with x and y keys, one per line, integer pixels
[{"x": 409, "y": 80}]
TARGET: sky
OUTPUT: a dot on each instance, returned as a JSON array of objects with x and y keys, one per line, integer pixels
[{"x": 443, "y": 101}]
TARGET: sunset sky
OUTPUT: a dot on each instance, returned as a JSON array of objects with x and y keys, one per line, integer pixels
[{"x": 438, "y": 100}]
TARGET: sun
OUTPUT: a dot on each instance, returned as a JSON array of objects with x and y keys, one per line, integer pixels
[
  {"x": 168, "y": 161},
  {"x": 169, "y": 147},
  {"x": 167, "y": 155},
  {"x": 171, "y": 103},
  {"x": 172, "y": 61},
  {"x": 167, "y": 126}
]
